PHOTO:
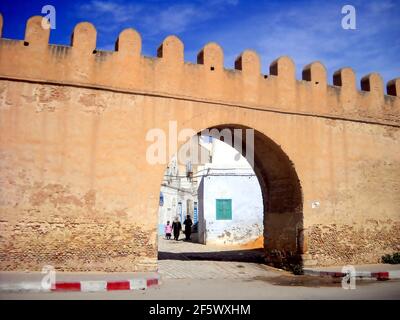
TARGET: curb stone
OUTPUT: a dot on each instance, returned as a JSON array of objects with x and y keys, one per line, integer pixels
[
  {"x": 84, "y": 286},
  {"x": 367, "y": 275}
]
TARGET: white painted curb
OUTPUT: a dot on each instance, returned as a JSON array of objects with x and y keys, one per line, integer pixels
[{"x": 84, "y": 286}]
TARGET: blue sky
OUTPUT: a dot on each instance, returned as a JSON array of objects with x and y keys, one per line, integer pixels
[{"x": 305, "y": 30}]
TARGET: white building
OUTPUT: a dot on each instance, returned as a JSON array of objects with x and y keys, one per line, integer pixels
[
  {"x": 230, "y": 200},
  {"x": 222, "y": 195}
]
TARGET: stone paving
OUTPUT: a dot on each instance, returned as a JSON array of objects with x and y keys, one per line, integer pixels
[{"x": 187, "y": 260}]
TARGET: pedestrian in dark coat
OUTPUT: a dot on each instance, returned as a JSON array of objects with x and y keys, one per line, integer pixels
[
  {"x": 176, "y": 227},
  {"x": 188, "y": 227}
]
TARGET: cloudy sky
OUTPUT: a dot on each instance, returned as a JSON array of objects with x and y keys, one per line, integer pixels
[{"x": 304, "y": 30}]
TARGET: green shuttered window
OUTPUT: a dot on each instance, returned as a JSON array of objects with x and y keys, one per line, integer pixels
[{"x": 224, "y": 209}]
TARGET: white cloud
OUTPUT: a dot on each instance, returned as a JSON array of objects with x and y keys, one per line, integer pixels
[
  {"x": 177, "y": 18},
  {"x": 111, "y": 10},
  {"x": 154, "y": 18},
  {"x": 313, "y": 32},
  {"x": 304, "y": 32}
]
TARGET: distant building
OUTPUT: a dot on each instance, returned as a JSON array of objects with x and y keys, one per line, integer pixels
[{"x": 178, "y": 194}]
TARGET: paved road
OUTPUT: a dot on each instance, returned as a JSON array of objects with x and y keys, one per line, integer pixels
[
  {"x": 235, "y": 289},
  {"x": 193, "y": 271},
  {"x": 187, "y": 260},
  {"x": 212, "y": 270}
]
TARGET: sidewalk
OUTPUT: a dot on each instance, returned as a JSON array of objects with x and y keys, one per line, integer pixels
[
  {"x": 368, "y": 271},
  {"x": 177, "y": 259},
  {"x": 71, "y": 281}
]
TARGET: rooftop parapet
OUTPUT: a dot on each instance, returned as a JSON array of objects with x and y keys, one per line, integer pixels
[
  {"x": 125, "y": 69},
  {"x": 249, "y": 63},
  {"x": 35, "y": 34},
  {"x": 129, "y": 43}
]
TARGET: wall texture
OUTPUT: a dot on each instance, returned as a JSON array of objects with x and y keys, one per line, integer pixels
[{"x": 77, "y": 191}]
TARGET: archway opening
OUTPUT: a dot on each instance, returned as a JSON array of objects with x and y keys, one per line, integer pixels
[{"x": 261, "y": 192}]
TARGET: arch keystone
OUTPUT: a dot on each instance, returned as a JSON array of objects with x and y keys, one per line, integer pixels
[
  {"x": 83, "y": 37},
  {"x": 316, "y": 73},
  {"x": 249, "y": 63},
  {"x": 283, "y": 67},
  {"x": 36, "y": 33},
  {"x": 1, "y": 25},
  {"x": 129, "y": 42},
  {"x": 171, "y": 50},
  {"x": 393, "y": 87},
  {"x": 346, "y": 78},
  {"x": 211, "y": 56}
]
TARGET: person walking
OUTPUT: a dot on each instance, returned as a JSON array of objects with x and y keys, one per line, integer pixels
[
  {"x": 188, "y": 227},
  {"x": 176, "y": 227},
  {"x": 168, "y": 231}
]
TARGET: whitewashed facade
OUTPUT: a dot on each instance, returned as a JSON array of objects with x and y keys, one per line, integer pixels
[
  {"x": 227, "y": 179},
  {"x": 230, "y": 182}
]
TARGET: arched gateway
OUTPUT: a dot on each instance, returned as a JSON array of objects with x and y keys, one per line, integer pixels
[{"x": 77, "y": 191}]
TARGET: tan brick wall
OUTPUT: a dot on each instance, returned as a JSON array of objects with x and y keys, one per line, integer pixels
[
  {"x": 340, "y": 244},
  {"x": 76, "y": 190}
]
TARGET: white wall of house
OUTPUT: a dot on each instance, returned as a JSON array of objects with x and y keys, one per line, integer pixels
[
  {"x": 242, "y": 187},
  {"x": 229, "y": 176}
]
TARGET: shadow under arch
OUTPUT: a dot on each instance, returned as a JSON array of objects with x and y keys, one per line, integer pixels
[{"x": 284, "y": 241}]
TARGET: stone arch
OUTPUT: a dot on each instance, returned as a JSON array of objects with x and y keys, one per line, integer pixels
[{"x": 284, "y": 239}]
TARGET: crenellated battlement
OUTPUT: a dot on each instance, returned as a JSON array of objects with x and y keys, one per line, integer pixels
[{"x": 125, "y": 69}]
